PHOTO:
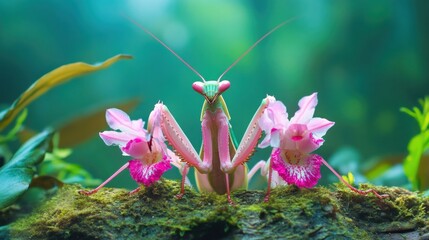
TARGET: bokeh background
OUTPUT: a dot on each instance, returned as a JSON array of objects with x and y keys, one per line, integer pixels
[{"x": 366, "y": 59}]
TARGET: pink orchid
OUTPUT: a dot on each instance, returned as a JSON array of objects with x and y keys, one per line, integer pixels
[
  {"x": 294, "y": 141},
  {"x": 148, "y": 150}
]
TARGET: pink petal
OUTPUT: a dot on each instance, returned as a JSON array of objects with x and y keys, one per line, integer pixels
[
  {"x": 266, "y": 122},
  {"x": 136, "y": 148},
  {"x": 271, "y": 139},
  {"x": 309, "y": 144},
  {"x": 148, "y": 174},
  {"x": 265, "y": 142},
  {"x": 274, "y": 116},
  {"x": 319, "y": 126},
  {"x": 297, "y": 137},
  {"x": 275, "y": 138},
  {"x": 306, "y": 109},
  {"x": 272, "y": 122},
  {"x": 115, "y": 138},
  {"x": 137, "y": 124},
  {"x": 302, "y": 170},
  {"x": 279, "y": 113},
  {"x": 119, "y": 120},
  {"x": 296, "y": 132}
]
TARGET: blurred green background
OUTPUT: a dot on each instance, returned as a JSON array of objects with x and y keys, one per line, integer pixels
[{"x": 365, "y": 58}]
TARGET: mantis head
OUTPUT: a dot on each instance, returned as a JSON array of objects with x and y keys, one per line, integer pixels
[{"x": 211, "y": 89}]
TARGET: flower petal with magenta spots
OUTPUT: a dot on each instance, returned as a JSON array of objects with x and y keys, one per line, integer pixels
[
  {"x": 148, "y": 174},
  {"x": 302, "y": 170}
]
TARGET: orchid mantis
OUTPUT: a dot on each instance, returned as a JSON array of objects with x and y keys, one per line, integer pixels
[{"x": 221, "y": 164}]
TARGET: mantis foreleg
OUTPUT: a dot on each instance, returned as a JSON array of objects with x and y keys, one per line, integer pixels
[
  {"x": 180, "y": 142},
  {"x": 250, "y": 139}
]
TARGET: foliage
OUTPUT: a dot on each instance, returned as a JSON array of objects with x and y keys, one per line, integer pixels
[
  {"x": 419, "y": 144},
  {"x": 349, "y": 178},
  {"x": 11, "y": 135},
  {"x": 54, "y": 165},
  {"x": 16, "y": 175},
  {"x": 50, "y": 80}
]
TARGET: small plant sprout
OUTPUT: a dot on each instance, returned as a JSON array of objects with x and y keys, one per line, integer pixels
[
  {"x": 147, "y": 147},
  {"x": 349, "y": 178},
  {"x": 293, "y": 142},
  {"x": 418, "y": 146}
]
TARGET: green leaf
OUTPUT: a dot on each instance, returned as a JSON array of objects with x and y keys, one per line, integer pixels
[
  {"x": 408, "y": 111},
  {"x": 349, "y": 178},
  {"x": 18, "y": 125},
  {"x": 416, "y": 148},
  {"x": 5, "y": 154},
  {"x": 50, "y": 80},
  {"x": 16, "y": 175},
  {"x": 85, "y": 126}
]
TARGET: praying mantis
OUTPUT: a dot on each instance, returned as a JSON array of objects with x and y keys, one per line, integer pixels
[{"x": 221, "y": 163}]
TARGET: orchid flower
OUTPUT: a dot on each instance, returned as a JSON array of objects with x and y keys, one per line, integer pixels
[
  {"x": 294, "y": 142},
  {"x": 148, "y": 150},
  {"x": 150, "y": 157}
]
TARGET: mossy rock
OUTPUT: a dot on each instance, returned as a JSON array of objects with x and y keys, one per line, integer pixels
[{"x": 292, "y": 213}]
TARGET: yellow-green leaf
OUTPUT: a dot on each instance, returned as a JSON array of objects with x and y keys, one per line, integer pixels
[
  {"x": 83, "y": 127},
  {"x": 416, "y": 147},
  {"x": 349, "y": 178},
  {"x": 50, "y": 80}
]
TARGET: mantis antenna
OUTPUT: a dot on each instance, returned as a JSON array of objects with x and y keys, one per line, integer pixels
[
  {"x": 167, "y": 47},
  {"x": 253, "y": 46}
]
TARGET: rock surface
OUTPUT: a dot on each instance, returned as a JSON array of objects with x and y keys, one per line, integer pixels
[{"x": 292, "y": 213}]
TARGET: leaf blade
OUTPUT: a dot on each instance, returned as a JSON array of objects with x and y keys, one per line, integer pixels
[
  {"x": 16, "y": 175},
  {"x": 52, "y": 79}
]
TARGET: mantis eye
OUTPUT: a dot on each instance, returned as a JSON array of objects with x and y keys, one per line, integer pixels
[
  {"x": 198, "y": 87},
  {"x": 223, "y": 86}
]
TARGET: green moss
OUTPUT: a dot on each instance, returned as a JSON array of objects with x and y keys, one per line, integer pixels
[{"x": 292, "y": 213}]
